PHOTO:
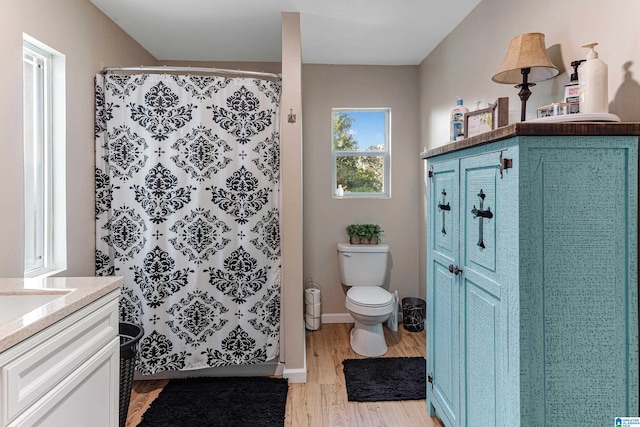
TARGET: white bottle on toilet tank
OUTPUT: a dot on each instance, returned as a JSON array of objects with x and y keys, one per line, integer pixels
[{"x": 593, "y": 80}]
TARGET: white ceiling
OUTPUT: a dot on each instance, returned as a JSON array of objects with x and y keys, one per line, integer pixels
[{"x": 372, "y": 32}]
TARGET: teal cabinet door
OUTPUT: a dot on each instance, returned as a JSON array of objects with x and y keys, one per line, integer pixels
[
  {"x": 466, "y": 296},
  {"x": 443, "y": 293},
  {"x": 488, "y": 205}
]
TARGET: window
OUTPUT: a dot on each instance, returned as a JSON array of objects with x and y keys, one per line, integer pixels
[
  {"x": 361, "y": 151},
  {"x": 44, "y": 241}
]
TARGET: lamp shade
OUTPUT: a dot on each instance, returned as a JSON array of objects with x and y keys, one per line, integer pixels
[{"x": 526, "y": 51}]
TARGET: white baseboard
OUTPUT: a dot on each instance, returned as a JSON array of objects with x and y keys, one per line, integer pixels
[
  {"x": 298, "y": 375},
  {"x": 295, "y": 375},
  {"x": 337, "y": 318},
  {"x": 346, "y": 317}
]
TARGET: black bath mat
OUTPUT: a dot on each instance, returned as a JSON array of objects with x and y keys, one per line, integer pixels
[
  {"x": 385, "y": 378},
  {"x": 219, "y": 402}
]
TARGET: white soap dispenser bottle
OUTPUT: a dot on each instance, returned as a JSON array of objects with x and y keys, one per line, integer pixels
[{"x": 593, "y": 80}]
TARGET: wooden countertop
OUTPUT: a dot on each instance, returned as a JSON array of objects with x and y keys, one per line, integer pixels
[
  {"x": 73, "y": 293},
  {"x": 540, "y": 129}
]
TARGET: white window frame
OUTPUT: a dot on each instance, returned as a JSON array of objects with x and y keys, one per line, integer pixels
[
  {"x": 44, "y": 160},
  {"x": 385, "y": 154}
]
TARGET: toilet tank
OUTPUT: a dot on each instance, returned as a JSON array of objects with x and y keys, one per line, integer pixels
[{"x": 362, "y": 265}]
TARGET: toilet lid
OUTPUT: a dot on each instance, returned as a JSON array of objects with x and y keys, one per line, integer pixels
[{"x": 370, "y": 296}]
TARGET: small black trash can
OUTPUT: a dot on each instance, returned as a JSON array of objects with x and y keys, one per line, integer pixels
[
  {"x": 130, "y": 334},
  {"x": 413, "y": 314}
]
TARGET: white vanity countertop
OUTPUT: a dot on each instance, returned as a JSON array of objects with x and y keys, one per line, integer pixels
[{"x": 36, "y": 307}]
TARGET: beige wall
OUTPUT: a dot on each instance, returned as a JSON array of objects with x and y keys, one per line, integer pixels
[
  {"x": 463, "y": 64},
  {"x": 90, "y": 41},
  {"x": 325, "y": 218}
]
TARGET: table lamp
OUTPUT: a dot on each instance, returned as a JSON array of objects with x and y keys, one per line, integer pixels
[{"x": 526, "y": 61}]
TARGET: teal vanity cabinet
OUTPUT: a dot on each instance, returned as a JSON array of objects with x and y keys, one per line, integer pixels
[{"x": 532, "y": 286}]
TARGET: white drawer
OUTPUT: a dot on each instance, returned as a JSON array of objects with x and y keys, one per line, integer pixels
[{"x": 38, "y": 364}]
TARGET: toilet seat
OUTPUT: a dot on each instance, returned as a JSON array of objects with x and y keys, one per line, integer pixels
[
  {"x": 369, "y": 301},
  {"x": 369, "y": 296}
]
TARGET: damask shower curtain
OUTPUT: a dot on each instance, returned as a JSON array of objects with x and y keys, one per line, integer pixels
[{"x": 187, "y": 210}]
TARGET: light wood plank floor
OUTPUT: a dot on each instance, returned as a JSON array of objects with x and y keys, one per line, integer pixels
[{"x": 322, "y": 400}]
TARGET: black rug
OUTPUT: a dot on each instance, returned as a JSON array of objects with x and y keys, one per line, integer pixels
[
  {"x": 221, "y": 401},
  {"x": 385, "y": 378}
]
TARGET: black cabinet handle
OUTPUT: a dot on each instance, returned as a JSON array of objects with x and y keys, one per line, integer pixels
[{"x": 454, "y": 269}]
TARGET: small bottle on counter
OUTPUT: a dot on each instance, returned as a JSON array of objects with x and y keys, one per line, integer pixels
[
  {"x": 572, "y": 89},
  {"x": 457, "y": 121}
]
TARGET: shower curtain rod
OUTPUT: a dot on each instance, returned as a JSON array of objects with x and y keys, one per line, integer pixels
[{"x": 161, "y": 69}]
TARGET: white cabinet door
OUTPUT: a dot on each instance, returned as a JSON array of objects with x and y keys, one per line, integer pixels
[
  {"x": 67, "y": 374},
  {"x": 32, "y": 368},
  {"x": 79, "y": 400}
]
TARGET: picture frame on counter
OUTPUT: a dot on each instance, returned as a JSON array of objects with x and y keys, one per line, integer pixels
[{"x": 487, "y": 119}]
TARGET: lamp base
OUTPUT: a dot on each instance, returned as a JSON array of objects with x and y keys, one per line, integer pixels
[{"x": 524, "y": 93}]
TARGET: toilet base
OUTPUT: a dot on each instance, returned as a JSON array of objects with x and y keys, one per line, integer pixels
[{"x": 368, "y": 339}]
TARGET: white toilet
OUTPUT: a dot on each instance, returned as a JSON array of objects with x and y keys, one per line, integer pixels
[{"x": 363, "y": 268}]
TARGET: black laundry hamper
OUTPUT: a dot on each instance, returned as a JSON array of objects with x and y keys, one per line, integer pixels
[{"x": 130, "y": 334}]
